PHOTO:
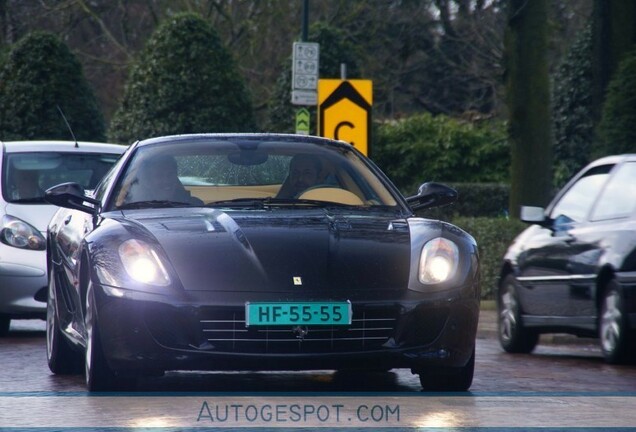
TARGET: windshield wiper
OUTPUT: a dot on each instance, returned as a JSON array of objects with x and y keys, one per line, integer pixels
[
  {"x": 239, "y": 202},
  {"x": 274, "y": 202},
  {"x": 153, "y": 204}
]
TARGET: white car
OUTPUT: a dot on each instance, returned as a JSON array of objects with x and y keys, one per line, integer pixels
[{"x": 27, "y": 169}]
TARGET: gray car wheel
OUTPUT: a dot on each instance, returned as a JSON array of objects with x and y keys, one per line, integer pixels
[
  {"x": 513, "y": 336},
  {"x": 617, "y": 344}
]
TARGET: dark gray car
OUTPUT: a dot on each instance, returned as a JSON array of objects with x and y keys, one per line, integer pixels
[{"x": 574, "y": 269}]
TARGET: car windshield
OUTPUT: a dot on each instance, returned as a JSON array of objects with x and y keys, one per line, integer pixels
[
  {"x": 248, "y": 173},
  {"x": 25, "y": 176}
]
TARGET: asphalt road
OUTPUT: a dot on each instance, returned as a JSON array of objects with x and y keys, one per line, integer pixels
[
  {"x": 560, "y": 363},
  {"x": 564, "y": 373}
]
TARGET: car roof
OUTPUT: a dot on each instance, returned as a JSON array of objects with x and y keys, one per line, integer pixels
[
  {"x": 64, "y": 146},
  {"x": 613, "y": 159},
  {"x": 245, "y": 136}
]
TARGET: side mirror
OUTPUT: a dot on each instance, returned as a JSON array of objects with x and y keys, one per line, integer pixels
[
  {"x": 531, "y": 214},
  {"x": 72, "y": 196},
  {"x": 432, "y": 195}
]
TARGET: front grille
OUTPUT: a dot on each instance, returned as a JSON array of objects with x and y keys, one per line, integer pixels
[{"x": 225, "y": 331}]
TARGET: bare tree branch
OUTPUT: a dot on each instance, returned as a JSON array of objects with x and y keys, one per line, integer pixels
[{"x": 104, "y": 28}]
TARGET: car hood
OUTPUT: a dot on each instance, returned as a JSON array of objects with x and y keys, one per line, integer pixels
[
  {"x": 284, "y": 251},
  {"x": 36, "y": 215}
]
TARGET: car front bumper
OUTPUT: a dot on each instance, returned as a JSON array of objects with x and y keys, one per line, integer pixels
[
  {"x": 23, "y": 286},
  {"x": 148, "y": 334}
]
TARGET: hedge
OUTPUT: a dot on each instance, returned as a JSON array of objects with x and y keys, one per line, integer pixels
[
  {"x": 493, "y": 236},
  {"x": 425, "y": 148},
  {"x": 474, "y": 200}
]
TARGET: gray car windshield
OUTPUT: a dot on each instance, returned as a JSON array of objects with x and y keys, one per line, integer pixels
[{"x": 25, "y": 176}]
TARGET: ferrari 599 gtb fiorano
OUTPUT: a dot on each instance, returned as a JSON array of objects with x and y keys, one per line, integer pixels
[{"x": 257, "y": 252}]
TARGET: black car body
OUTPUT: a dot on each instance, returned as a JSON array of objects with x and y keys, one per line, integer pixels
[
  {"x": 241, "y": 279},
  {"x": 574, "y": 270}
]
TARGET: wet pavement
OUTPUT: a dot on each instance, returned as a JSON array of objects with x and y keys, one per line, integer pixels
[
  {"x": 487, "y": 320},
  {"x": 564, "y": 383},
  {"x": 487, "y": 323},
  {"x": 559, "y": 363}
]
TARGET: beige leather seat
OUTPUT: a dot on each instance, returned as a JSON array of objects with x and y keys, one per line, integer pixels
[{"x": 332, "y": 195}]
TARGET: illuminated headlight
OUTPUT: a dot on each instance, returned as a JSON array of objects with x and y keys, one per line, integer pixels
[
  {"x": 438, "y": 261},
  {"x": 17, "y": 233},
  {"x": 142, "y": 263}
]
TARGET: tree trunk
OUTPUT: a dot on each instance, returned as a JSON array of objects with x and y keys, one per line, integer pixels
[{"x": 528, "y": 97}]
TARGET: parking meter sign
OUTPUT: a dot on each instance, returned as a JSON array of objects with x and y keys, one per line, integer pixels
[{"x": 304, "y": 72}]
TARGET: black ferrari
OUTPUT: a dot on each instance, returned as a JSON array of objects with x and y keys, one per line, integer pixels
[{"x": 256, "y": 252}]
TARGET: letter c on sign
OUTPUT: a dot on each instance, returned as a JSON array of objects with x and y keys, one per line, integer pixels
[{"x": 340, "y": 125}]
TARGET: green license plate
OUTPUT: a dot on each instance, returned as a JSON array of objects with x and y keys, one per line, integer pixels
[{"x": 307, "y": 313}]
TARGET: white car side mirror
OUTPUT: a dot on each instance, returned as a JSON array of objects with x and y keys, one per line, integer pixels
[{"x": 532, "y": 214}]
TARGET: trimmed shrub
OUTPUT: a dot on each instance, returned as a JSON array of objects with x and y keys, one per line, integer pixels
[
  {"x": 474, "y": 200},
  {"x": 185, "y": 81},
  {"x": 616, "y": 129},
  {"x": 439, "y": 148},
  {"x": 39, "y": 74},
  {"x": 493, "y": 236}
]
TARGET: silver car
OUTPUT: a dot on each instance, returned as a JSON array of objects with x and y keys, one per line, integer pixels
[{"x": 27, "y": 169}]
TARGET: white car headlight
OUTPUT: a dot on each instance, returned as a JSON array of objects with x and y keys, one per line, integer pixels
[
  {"x": 17, "y": 233},
  {"x": 142, "y": 263},
  {"x": 438, "y": 261}
]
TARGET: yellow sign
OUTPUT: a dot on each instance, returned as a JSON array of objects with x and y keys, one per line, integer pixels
[{"x": 344, "y": 111}]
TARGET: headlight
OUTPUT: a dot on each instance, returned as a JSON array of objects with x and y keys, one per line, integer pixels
[
  {"x": 142, "y": 263},
  {"x": 438, "y": 261},
  {"x": 17, "y": 233}
]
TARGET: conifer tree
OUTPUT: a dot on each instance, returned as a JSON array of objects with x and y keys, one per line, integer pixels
[
  {"x": 616, "y": 129},
  {"x": 573, "y": 111}
]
